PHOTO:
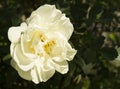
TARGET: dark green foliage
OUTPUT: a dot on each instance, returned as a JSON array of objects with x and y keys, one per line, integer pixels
[
  {"x": 96, "y": 36},
  {"x": 109, "y": 53}
]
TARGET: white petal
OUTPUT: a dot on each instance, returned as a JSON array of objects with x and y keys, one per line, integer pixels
[
  {"x": 50, "y": 18},
  {"x": 45, "y": 70},
  {"x": 44, "y": 14},
  {"x": 58, "y": 59},
  {"x": 61, "y": 67},
  {"x": 23, "y": 62},
  {"x": 12, "y": 48},
  {"x": 24, "y": 74},
  {"x": 46, "y": 73},
  {"x": 26, "y": 49},
  {"x": 70, "y": 52},
  {"x": 64, "y": 26},
  {"x": 41, "y": 73},
  {"x": 23, "y": 25},
  {"x": 14, "y": 33},
  {"x": 49, "y": 12},
  {"x": 35, "y": 77}
]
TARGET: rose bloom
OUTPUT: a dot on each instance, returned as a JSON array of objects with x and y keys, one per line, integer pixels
[{"x": 39, "y": 46}]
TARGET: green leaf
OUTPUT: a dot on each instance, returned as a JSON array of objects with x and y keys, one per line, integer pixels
[
  {"x": 109, "y": 53},
  {"x": 6, "y": 57},
  {"x": 86, "y": 83}
]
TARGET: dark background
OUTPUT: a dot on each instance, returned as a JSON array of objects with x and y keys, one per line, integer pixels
[{"x": 96, "y": 34}]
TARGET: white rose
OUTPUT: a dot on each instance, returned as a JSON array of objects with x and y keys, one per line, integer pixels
[{"x": 40, "y": 46}]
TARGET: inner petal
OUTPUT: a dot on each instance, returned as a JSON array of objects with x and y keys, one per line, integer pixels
[{"x": 26, "y": 46}]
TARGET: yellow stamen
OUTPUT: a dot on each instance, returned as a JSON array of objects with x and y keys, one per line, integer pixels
[{"x": 49, "y": 46}]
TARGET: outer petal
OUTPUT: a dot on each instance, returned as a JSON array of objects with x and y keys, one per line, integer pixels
[
  {"x": 47, "y": 17},
  {"x": 63, "y": 26},
  {"x": 24, "y": 74},
  {"x": 12, "y": 48},
  {"x": 41, "y": 73},
  {"x": 34, "y": 74},
  {"x": 47, "y": 73},
  {"x": 61, "y": 67},
  {"x": 23, "y": 62},
  {"x": 44, "y": 15},
  {"x": 70, "y": 52},
  {"x": 15, "y": 32}
]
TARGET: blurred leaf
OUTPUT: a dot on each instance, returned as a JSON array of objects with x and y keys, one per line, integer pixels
[
  {"x": 86, "y": 83},
  {"x": 88, "y": 69},
  {"x": 98, "y": 16},
  {"x": 77, "y": 79},
  {"x": 6, "y": 57},
  {"x": 109, "y": 53}
]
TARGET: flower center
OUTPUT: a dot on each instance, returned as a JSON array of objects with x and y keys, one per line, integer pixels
[
  {"x": 41, "y": 44},
  {"x": 49, "y": 46}
]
